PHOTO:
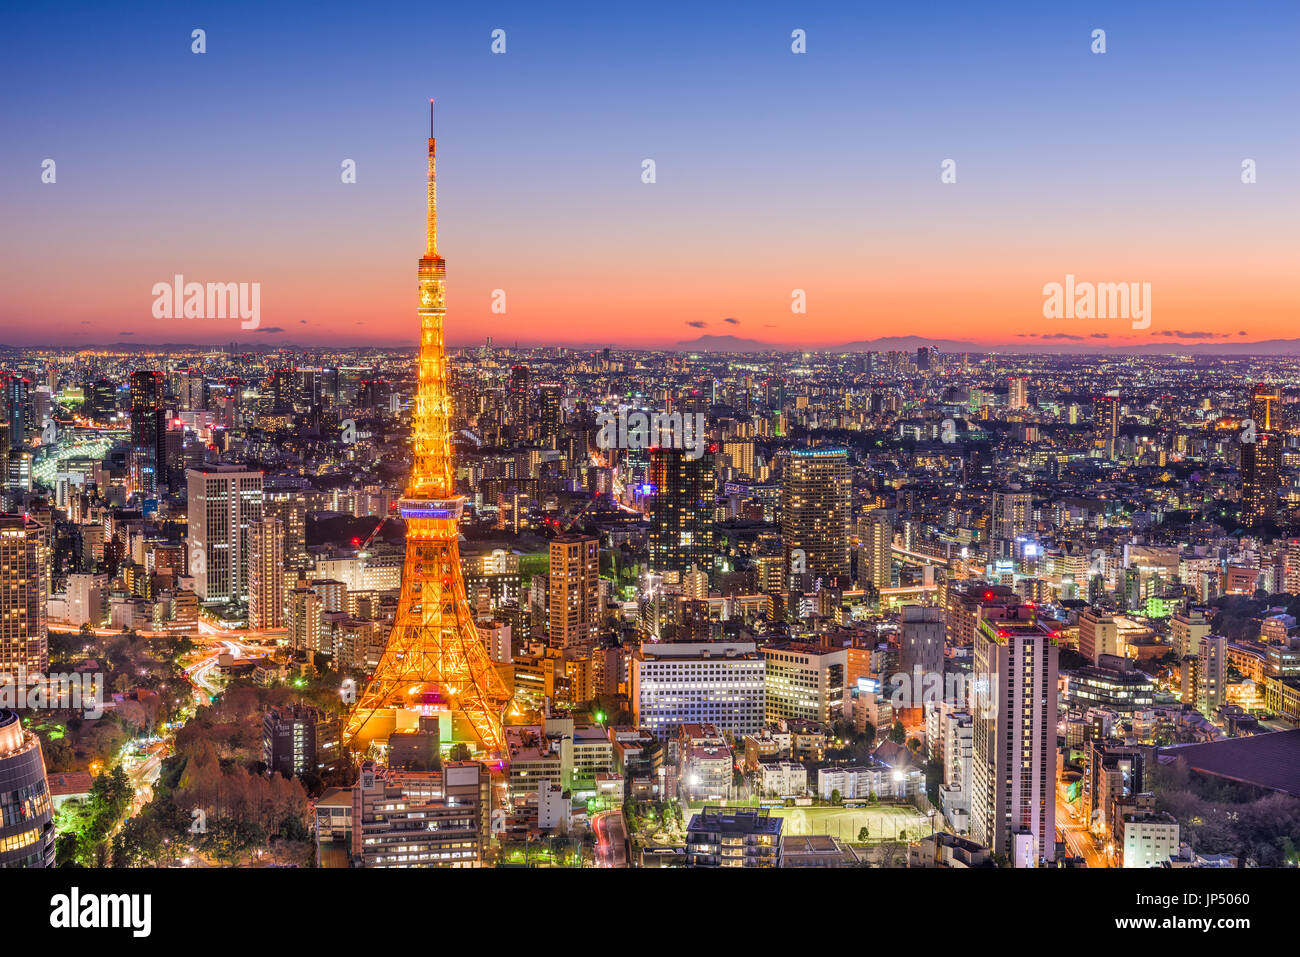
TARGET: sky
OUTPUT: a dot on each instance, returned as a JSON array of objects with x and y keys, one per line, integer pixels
[{"x": 774, "y": 171}]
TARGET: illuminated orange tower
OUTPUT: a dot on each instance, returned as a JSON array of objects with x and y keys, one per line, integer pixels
[{"x": 434, "y": 662}]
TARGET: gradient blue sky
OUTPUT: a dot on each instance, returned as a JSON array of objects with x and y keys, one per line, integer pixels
[{"x": 775, "y": 171}]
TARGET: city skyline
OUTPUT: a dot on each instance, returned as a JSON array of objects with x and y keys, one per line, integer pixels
[
  {"x": 775, "y": 172},
  {"x": 675, "y": 561}
]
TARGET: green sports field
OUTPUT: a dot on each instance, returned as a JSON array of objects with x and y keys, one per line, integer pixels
[{"x": 883, "y": 822}]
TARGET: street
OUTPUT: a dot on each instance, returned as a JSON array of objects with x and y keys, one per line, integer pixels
[
  {"x": 611, "y": 839},
  {"x": 1078, "y": 839}
]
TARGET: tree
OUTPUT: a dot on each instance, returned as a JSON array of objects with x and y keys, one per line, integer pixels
[
  {"x": 898, "y": 734},
  {"x": 836, "y": 797},
  {"x": 863, "y": 834}
]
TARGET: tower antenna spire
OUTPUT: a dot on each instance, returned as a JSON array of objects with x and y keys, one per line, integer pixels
[
  {"x": 434, "y": 656},
  {"x": 431, "y": 230}
]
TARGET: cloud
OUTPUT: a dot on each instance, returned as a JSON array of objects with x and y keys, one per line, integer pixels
[
  {"x": 696, "y": 324},
  {"x": 270, "y": 329},
  {"x": 302, "y": 322},
  {"x": 1062, "y": 335},
  {"x": 126, "y": 333},
  {"x": 1101, "y": 335},
  {"x": 1177, "y": 334},
  {"x": 729, "y": 320}
]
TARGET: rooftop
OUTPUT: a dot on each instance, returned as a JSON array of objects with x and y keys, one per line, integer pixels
[
  {"x": 735, "y": 820},
  {"x": 1270, "y": 761}
]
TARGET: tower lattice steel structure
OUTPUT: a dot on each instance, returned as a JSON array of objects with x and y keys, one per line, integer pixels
[{"x": 434, "y": 659}]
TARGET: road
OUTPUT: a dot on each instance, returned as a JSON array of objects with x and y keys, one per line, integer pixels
[
  {"x": 218, "y": 642},
  {"x": 1078, "y": 839},
  {"x": 611, "y": 839},
  {"x": 143, "y": 773}
]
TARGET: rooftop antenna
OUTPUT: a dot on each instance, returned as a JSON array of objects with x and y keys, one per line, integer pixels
[{"x": 430, "y": 117}]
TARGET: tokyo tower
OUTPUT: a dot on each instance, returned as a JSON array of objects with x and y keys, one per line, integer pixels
[{"x": 434, "y": 662}]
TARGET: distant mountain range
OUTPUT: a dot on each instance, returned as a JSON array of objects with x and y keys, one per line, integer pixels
[{"x": 1174, "y": 345}]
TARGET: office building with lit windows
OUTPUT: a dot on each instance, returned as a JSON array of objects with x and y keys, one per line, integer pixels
[
  {"x": 148, "y": 432},
  {"x": 733, "y": 837},
  {"x": 809, "y": 681},
  {"x": 816, "y": 495},
  {"x": 26, "y": 814},
  {"x": 1105, "y": 424},
  {"x": 683, "y": 494},
  {"x": 298, "y": 739},
  {"x": 718, "y": 683},
  {"x": 573, "y": 613},
  {"x": 1013, "y": 771},
  {"x": 266, "y": 575},
  {"x": 224, "y": 505},
  {"x": 24, "y": 648},
  {"x": 875, "y": 550},
  {"x": 1261, "y": 465},
  {"x": 420, "y": 818}
]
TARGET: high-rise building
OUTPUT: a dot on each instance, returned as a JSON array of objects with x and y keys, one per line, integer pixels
[
  {"x": 17, "y": 403},
  {"x": 266, "y": 575},
  {"x": 517, "y": 406},
  {"x": 282, "y": 390},
  {"x": 1105, "y": 424},
  {"x": 1292, "y": 571},
  {"x": 1018, "y": 392},
  {"x": 1013, "y": 779},
  {"x": 1098, "y": 635},
  {"x": 574, "y": 599},
  {"x": 148, "y": 430},
  {"x": 681, "y": 510},
  {"x": 298, "y": 739},
  {"x": 1266, "y": 408},
  {"x": 1012, "y": 514},
  {"x": 434, "y": 661},
  {"x": 101, "y": 400},
  {"x": 920, "y": 641},
  {"x": 1261, "y": 459},
  {"x": 676, "y": 683},
  {"x": 549, "y": 395},
  {"x": 288, "y": 507},
  {"x": 26, "y": 810},
  {"x": 808, "y": 681},
  {"x": 1205, "y": 676},
  {"x": 192, "y": 392},
  {"x": 224, "y": 504},
  {"x": 24, "y": 648},
  {"x": 816, "y": 496},
  {"x": 1186, "y": 629},
  {"x": 958, "y": 745},
  {"x": 741, "y": 453},
  {"x": 875, "y": 537},
  {"x": 303, "y": 619},
  {"x": 420, "y": 818}
]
